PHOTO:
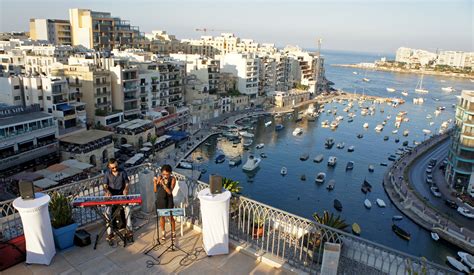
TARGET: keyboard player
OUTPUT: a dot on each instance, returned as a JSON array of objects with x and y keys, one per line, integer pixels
[{"x": 116, "y": 182}]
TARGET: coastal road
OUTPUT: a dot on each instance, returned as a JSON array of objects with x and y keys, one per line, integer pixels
[{"x": 417, "y": 176}]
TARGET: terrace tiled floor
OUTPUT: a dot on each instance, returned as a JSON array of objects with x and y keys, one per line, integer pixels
[{"x": 132, "y": 260}]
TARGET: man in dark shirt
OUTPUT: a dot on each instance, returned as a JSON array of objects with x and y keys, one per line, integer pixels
[{"x": 116, "y": 182}]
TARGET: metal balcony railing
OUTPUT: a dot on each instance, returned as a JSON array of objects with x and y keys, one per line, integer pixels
[{"x": 295, "y": 240}]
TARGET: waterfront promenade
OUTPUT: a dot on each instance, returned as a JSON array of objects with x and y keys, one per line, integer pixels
[{"x": 407, "y": 199}]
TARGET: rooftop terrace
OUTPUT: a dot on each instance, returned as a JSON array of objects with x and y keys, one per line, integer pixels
[{"x": 288, "y": 242}]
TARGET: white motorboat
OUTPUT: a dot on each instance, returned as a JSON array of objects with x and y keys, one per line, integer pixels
[
  {"x": 283, "y": 171},
  {"x": 331, "y": 185},
  {"x": 405, "y": 133},
  {"x": 252, "y": 163},
  {"x": 365, "y": 79},
  {"x": 325, "y": 124},
  {"x": 260, "y": 146},
  {"x": 297, "y": 131},
  {"x": 391, "y": 90},
  {"x": 185, "y": 165},
  {"x": 434, "y": 236},
  {"x": 246, "y": 134},
  {"x": 339, "y": 118},
  {"x": 318, "y": 158},
  {"x": 340, "y": 145},
  {"x": 457, "y": 264},
  {"x": 366, "y": 125},
  {"x": 405, "y": 93},
  {"x": 248, "y": 142},
  {"x": 426, "y": 131},
  {"x": 332, "y": 161},
  {"x": 467, "y": 259},
  {"x": 320, "y": 177},
  {"x": 378, "y": 128},
  {"x": 235, "y": 161},
  {"x": 367, "y": 204},
  {"x": 268, "y": 123},
  {"x": 418, "y": 100},
  {"x": 395, "y": 131},
  {"x": 371, "y": 168},
  {"x": 380, "y": 203},
  {"x": 334, "y": 124},
  {"x": 448, "y": 89},
  {"x": 465, "y": 212},
  {"x": 355, "y": 73},
  {"x": 350, "y": 148}
]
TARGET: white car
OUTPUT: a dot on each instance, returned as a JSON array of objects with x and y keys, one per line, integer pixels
[
  {"x": 435, "y": 191},
  {"x": 429, "y": 176},
  {"x": 465, "y": 212},
  {"x": 428, "y": 170},
  {"x": 428, "y": 180}
]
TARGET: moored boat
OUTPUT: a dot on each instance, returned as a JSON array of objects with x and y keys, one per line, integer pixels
[
  {"x": 400, "y": 232},
  {"x": 235, "y": 161},
  {"x": 320, "y": 177},
  {"x": 434, "y": 236},
  {"x": 331, "y": 185},
  {"x": 337, "y": 205},
  {"x": 332, "y": 161},
  {"x": 356, "y": 229},
  {"x": 367, "y": 204},
  {"x": 457, "y": 264},
  {"x": 390, "y": 90},
  {"x": 467, "y": 259},
  {"x": 279, "y": 127},
  {"x": 350, "y": 148},
  {"x": 297, "y": 131},
  {"x": 283, "y": 171},
  {"x": 220, "y": 158},
  {"x": 319, "y": 158},
  {"x": 371, "y": 168},
  {"x": 251, "y": 164},
  {"x": 260, "y": 146},
  {"x": 329, "y": 143},
  {"x": 304, "y": 157},
  {"x": 397, "y": 218},
  {"x": 350, "y": 165},
  {"x": 380, "y": 203}
]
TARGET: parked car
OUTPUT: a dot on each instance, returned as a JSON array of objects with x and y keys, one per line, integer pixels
[{"x": 451, "y": 204}]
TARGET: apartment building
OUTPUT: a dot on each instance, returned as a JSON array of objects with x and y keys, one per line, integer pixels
[
  {"x": 245, "y": 66},
  {"x": 135, "y": 132},
  {"x": 28, "y": 138},
  {"x": 163, "y": 43},
  {"x": 54, "y": 31},
  {"x": 40, "y": 59},
  {"x": 171, "y": 83},
  {"x": 206, "y": 69},
  {"x": 461, "y": 154},
  {"x": 11, "y": 90},
  {"x": 102, "y": 31},
  {"x": 125, "y": 88},
  {"x": 456, "y": 59},
  {"x": 291, "y": 98}
]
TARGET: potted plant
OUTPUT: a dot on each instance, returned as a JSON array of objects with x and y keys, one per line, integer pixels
[
  {"x": 258, "y": 224},
  {"x": 64, "y": 227}
]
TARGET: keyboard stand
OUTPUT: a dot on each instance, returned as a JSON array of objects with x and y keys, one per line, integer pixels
[{"x": 109, "y": 224}]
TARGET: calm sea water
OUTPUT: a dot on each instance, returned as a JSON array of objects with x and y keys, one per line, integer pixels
[{"x": 305, "y": 197}]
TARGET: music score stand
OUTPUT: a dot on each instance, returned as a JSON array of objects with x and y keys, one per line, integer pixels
[{"x": 169, "y": 212}]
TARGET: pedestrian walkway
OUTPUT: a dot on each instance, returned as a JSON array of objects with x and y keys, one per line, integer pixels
[{"x": 412, "y": 204}]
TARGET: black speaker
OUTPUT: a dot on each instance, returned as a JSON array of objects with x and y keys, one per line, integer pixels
[
  {"x": 27, "y": 189},
  {"x": 82, "y": 238},
  {"x": 215, "y": 184}
]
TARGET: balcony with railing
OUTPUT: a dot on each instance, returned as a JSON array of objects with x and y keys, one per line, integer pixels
[{"x": 285, "y": 239}]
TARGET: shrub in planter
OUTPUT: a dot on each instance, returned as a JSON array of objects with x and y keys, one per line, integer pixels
[{"x": 60, "y": 210}]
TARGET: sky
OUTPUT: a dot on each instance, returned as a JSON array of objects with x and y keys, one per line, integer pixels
[{"x": 375, "y": 26}]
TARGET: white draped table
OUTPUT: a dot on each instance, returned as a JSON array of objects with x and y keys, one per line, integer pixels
[
  {"x": 37, "y": 228},
  {"x": 215, "y": 221}
]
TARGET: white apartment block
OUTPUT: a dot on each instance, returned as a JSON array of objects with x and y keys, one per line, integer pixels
[
  {"x": 206, "y": 69},
  {"x": 456, "y": 59},
  {"x": 245, "y": 66},
  {"x": 11, "y": 91},
  {"x": 41, "y": 59}
]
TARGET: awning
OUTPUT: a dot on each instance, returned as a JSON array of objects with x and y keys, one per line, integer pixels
[
  {"x": 77, "y": 164},
  {"x": 147, "y": 144},
  {"x": 44, "y": 183},
  {"x": 162, "y": 138}
]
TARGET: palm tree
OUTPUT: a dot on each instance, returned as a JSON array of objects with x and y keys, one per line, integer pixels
[
  {"x": 231, "y": 185},
  {"x": 330, "y": 220}
]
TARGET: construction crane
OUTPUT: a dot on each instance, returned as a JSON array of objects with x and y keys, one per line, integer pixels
[{"x": 205, "y": 30}]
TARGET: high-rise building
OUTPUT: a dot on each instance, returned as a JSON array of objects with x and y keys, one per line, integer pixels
[
  {"x": 245, "y": 66},
  {"x": 102, "y": 31},
  {"x": 55, "y": 31},
  {"x": 461, "y": 155}
]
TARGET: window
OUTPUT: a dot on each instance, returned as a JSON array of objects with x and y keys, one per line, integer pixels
[
  {"x": 17, "y": 98},
  {"x": 40, "y": 97},
  {"x": 49, "y": 110},
  {"x": 98, "y": 91},
  {"x": 104, "y": 90},
  {"x": 104, "y": 99},
  {"x": 48, "y": 97},
  {"x": 16, "y": 87}
]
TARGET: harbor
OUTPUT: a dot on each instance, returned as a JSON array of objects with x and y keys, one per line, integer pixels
[{"x": 295, "y": 187}]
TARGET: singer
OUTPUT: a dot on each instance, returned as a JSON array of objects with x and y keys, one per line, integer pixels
[{"x": 163, "y": 187}]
